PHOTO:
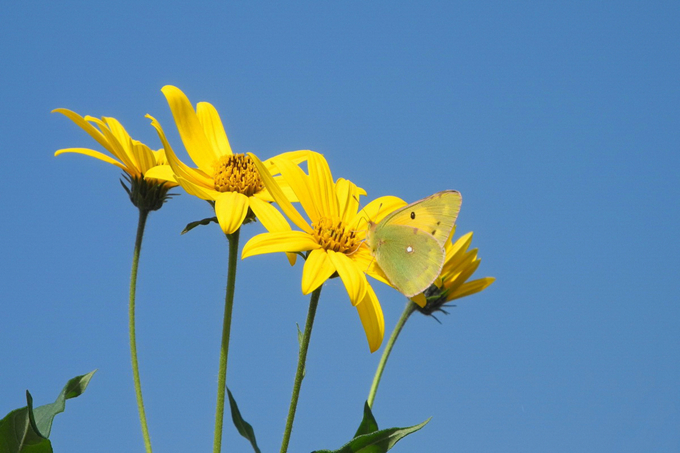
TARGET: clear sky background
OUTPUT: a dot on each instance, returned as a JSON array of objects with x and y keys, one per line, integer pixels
[{"x": 560, "y": 125}]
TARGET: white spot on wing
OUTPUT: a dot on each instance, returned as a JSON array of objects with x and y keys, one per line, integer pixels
[{"x": 409, "y": 249}]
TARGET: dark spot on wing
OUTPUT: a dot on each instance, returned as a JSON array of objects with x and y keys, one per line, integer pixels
[
  {"x": 434, "y": 232},
  {"x": 439, "y": 222},
  {"x": 413, "y": 215}
]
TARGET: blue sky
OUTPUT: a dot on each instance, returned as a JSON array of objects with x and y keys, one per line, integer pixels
[{"x": 559, "y": 123}]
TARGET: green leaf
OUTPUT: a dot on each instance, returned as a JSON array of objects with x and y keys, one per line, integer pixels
[
  {"x": 376, "y": 442},
  {"x": 300, "y": 335},
  {"x": 241, "y": 425},
  {"x": 368, "y": 424},
  {"x": 26, "y": 430},
  {"x": 18, "y": 432},
  {"x": 192, "y": 225},
  {"x": 73, "y": 388}
]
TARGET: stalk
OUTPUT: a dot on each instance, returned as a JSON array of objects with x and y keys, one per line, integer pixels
[
  {"x": 226, "y": 330},
  {"x": 408, "y": 310},
  {"x": 299, "y": 374}
]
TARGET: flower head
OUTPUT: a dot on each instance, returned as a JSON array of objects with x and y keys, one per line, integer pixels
[
  {"x": 229, "y": 181},
  {"x": 333, "y": 237},
  {"x": 459, "y": 265},
  {"x": 132, "y": 156}
]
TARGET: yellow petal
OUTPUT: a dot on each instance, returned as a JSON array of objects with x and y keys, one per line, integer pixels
[
  {"x": 196, "y": 190},
  {"x": 348, "y": 199},
  {"x": 352, "y": 277},
  {"x": 118, "y": 149},
  {"x": 121, "y": 140},
  {"x": 292, "y": 258},
  {"x": 160, "y": 172},
  {"x": 318, "y": 268},
  {"x": 454, "y": 263},
  {"x": 231, "y": 208},
  {"x": 190, "y": 129},
  {"x": 372, "y": 319},
  {"x": 272, "y": 220},
  {"x": 420, "y": 300},
  {"x": 471, "y": 287},
  {"x": 453, "y": 230},
  {"x": 297, "y": 157},
  {"x": 364, "y": 260},
  {"x": 322, "y": 185},
  {"x": 376, "y": 210},
  {"x": 299, "y": 182},
  {"x": 283, "y": 241},
  {"x": 270, "y": 217},
  {"x": 276, "y": 192},
  {"x": 87, "y": 127},
  {"x": 461, "y": 266},
  {"x": 93, "y": 153},
  {"x": 287, "y": 190},
  {"x": 461, "y": 244},
  {"x": 144, "y": 155},
  {"x": 196, "y": 177},
  {"x": 214, "y": 130}
]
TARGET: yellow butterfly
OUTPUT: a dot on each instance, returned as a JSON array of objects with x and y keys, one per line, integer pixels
[{"x": 408, "y": 244}]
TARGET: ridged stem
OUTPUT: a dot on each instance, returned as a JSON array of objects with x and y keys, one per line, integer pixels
[
  {"x": 143, "y": 215},
  {"x": 226, "y": 330},
  {"x": 300, "y": 372},
  {"x": 410, "y": 308}
]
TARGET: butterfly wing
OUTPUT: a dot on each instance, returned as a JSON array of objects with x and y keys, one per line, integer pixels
[
  {"x": 410, "y": 258},
  {"x": 435, "y": 215}
]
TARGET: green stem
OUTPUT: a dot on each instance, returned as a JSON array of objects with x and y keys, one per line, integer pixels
[
  {"x": 410, "y": 308},
  {"x": 224, "y": 349},
  {"x": 143, "y": 215},
  {"x": 300, "y": 373}
]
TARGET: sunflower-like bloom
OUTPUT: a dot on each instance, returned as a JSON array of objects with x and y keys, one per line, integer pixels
[
  {"x": 459, "y": 265},
  {"x": 334, "y": 237},
  {"x": 132, "y": 156},
  {"x": 228, "y": 180}
]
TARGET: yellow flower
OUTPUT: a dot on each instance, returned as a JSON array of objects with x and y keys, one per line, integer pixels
[
  {"x": 334, "y": 237},
  {"x": 459, "y": 265},
  {"x": 228, "y": 180},
  {"x": 132, "y": 156}
]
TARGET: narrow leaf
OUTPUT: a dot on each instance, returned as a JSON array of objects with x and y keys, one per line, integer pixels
[
  {"x": 300, "y": 334},
  {"x": 376, "y": 442},
  {"x": 241, "y": 425},
  {"x": 368, "y": 424},
  {"x": 192, "y": 225}
]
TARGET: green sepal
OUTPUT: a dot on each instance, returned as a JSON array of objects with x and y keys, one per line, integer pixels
[
  {"x": 241, "y": 425},
  {"x": 192, "y": 225},
  {"x": 368, "y": 423},
  {"x": 26, "y": 430}
]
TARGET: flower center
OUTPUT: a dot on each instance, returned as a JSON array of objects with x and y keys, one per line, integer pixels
[
  {"x": 333, "y": 234},
  {"x": 237, "y": 173}
]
